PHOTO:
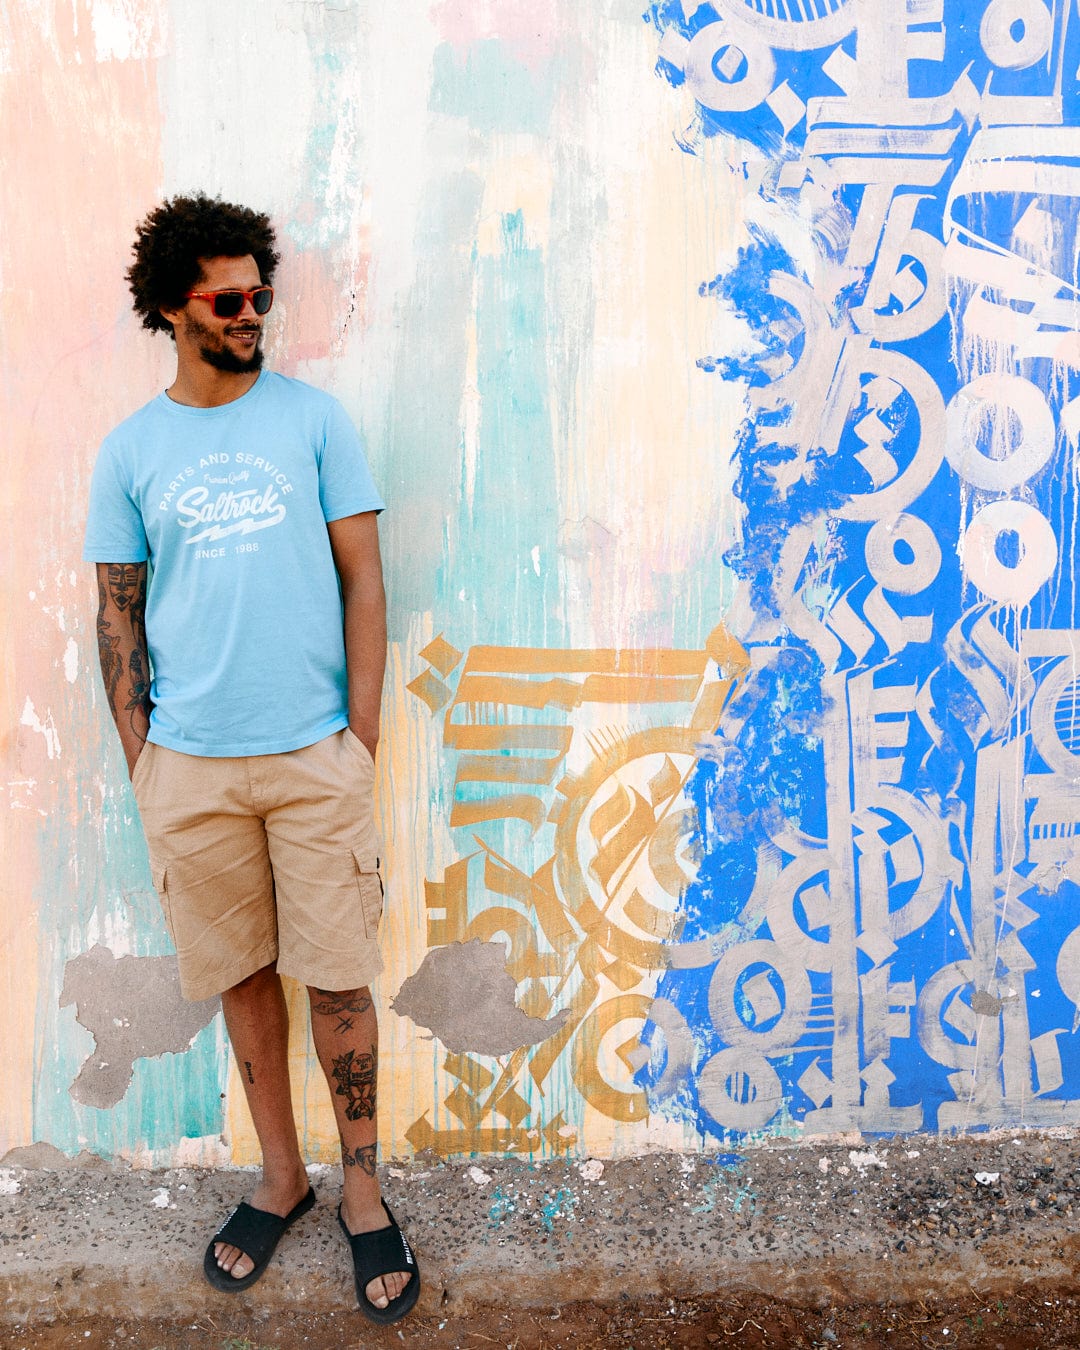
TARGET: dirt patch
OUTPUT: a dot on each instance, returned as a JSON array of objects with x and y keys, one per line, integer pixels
[{"x": 1014, "y": 1322}]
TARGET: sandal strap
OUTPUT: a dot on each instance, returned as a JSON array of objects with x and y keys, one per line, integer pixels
[
  {"x": 255, "y": 1231},
  {"x": 380, "y": 1253}
]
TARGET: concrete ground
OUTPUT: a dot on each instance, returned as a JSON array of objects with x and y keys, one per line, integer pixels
[{"x": 809, "y": 1225}]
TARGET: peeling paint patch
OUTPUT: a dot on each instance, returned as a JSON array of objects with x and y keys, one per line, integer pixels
[
  {"x": 466, "y": 997},
  {"x": 121, "y": 31},
  {"x": 728, "y": 1182},
  {"x": 71, "y": 661},
  {"x": 502, "y": 1206},
  {"x": 8, "y": 1184},
  {"x": 984, "y": 1004},
  {"x": 561, "y": 1205},
  {"x": 43, "y": 1157},
  {"x": 46, "y": 728},
  {"x": 133, "y": 1008}
]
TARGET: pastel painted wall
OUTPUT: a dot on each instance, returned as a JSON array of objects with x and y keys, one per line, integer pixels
[{"x": 718, "y": 367}]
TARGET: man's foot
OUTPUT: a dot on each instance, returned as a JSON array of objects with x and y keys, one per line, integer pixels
[
  {"x": 272, "y": 1197},
  {"x": 383, "y": 1289}
]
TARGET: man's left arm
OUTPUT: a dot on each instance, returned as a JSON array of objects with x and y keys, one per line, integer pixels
[{"x": 354, "y": 541}]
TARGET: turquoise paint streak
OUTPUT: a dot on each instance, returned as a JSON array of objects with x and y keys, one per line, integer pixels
[
  {"x": 418, "y": 466},
  {"x": 491, "y": 88},
  {"x": 500, "y": 573},
  {"x": 93, "y": 859},
  {"x": 503, "y": 555}
]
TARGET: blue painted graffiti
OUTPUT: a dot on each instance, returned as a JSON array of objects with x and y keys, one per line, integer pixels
[{"x": 881, "y": 934}]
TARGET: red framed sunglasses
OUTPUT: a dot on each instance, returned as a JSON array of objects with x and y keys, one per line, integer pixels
[{"x": 228, "y": 304}]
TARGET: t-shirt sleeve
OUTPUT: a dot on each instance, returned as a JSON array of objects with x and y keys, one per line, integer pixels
[
  {"x": 346, "y": 487},
  {"x": 114, "y": 526}
]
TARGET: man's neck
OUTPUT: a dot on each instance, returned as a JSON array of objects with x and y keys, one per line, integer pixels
[{"x": 203, "y": 386}]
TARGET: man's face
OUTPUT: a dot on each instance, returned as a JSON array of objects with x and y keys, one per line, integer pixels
[{"x": 232, "y": 345}]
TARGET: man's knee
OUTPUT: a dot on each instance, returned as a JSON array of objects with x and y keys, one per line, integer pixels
[
  {"x": 254, "y": 982},
  {"x": 360, "y": 994}
]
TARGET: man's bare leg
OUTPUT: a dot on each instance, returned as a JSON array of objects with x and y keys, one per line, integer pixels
[
  {"x": 258, "y": 1023},
  {"x": 346, "y": 1035}
]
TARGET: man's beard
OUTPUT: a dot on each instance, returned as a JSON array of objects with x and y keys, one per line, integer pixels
[
  {"x": 222, "y": 357},
  {"x": 226, "y": 359}
]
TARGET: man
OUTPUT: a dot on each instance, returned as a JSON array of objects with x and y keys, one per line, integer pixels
[{"x": 245, "y": 679}]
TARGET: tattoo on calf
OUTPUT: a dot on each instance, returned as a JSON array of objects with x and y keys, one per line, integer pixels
[
  {"x": 355, "y": 1077},
  {"x": 250, "y": 1075},
  {"x": 361, "y": 1157},
  {"x": 344, "y": 1024},
  {"x": 335, "y": 1005}
]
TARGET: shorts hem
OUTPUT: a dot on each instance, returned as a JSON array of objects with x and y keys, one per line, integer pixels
[
  {"x": 358, "y": 976},
  {"x": 196, "y": 991}
]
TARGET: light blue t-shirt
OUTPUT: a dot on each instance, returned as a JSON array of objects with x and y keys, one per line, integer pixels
[{"x": 243, "y": 611}]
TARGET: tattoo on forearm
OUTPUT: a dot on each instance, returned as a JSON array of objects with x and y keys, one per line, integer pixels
[
  {"x": 250, "y": 1074},
  {"x": 355, "y": 1076},
  {"x": 139, "y": 690},
  {"x": 112, "y": 664},
  {"x": 361, "y": 1157},
  {"x": 336, "y": 1005},
  {"x": 124, "y": 590},
  {"x": 124, "y": 584}
]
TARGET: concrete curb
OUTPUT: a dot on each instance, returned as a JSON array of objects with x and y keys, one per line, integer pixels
[{"x": 860, "y": 1222}]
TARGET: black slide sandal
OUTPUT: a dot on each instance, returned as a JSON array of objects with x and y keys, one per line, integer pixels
[
  {"x": 257, "y": 1233},
  {"x": 382, "y": 1253}
]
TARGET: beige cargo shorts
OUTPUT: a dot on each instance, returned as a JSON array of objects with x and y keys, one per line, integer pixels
[{"x": 266, "y": 860}]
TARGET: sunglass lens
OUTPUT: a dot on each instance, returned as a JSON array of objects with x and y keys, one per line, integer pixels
[
  {"x": 262, "y": 299},
  {"x": 228, "y": 304}
]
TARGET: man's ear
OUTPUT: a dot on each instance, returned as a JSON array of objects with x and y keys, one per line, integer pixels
[{"x": 169, "y": 314}]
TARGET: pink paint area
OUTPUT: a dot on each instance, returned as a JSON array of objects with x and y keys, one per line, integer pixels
[
  {"x": 529, "y": 28},
  {"x": 322, "y": 305}
]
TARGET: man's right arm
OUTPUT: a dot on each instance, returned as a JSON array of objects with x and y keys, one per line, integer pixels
[{"x": 122, "y": 650}]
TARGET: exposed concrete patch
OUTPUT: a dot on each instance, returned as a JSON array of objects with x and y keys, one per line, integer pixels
[
  {"x": 984, "y": 1004},
  {"x": 133, "y": 1009},
  {"x": 464, "y": 994},
  {"x": 44, "y": 1157}
]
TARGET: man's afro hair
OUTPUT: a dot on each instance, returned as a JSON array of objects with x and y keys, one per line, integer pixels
[{"x": 175, "y": 235}]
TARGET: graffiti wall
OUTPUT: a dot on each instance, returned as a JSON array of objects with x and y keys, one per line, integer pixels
[
  {"x": 717, "y": 365},
  {"x": 887, "y": 811}
]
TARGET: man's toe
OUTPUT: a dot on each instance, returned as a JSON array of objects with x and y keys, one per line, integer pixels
[
  {"x": 386, "y": 1288},
  {"x": 233, "y": 1260}
]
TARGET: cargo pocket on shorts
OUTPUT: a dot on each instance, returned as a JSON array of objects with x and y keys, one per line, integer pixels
[
  {"x": 160, "y": 878},
  {"x": 370, "y": 886}
]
